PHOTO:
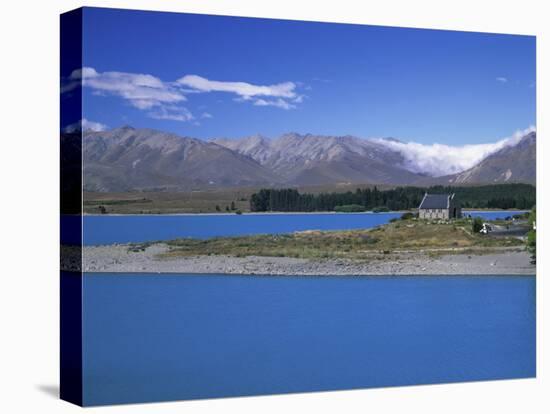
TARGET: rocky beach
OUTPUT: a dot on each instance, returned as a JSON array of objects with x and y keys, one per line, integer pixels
[{"x": 121, "y": 258}]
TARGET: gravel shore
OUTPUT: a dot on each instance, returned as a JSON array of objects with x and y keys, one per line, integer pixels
[{"x": 119, "y": 258}]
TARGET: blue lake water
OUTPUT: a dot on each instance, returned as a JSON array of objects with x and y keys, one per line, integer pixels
[
  {"x": 140, "y": 228},
  {"x": 169, "y": 337}
]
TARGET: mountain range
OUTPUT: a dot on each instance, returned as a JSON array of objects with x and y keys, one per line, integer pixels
[
  {"x": 126, "y": 158},
  {"x": 515, "y": 163}
]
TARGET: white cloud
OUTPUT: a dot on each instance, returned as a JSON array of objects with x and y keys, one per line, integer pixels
[
  {"x": 75, "y": 79},
  {"x": 501, "y": 79},
  {"x": 172, "y": 113},
  {"x": 85, "y": 125},
  {"x": 84, "y": 72},
  {"x": 143, "y": 91},
  {"x": 244, "y": 89},
  {"x": 278, "y": 103},
  {"x": 206, "y": 115},
  {"x": 257, "y": 94},
  {"x": 438, "y": 159},
  {"x": 162, "y": 99},
  {"x": 68, "y": 85}
]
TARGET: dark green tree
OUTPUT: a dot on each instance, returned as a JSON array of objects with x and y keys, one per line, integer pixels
[
  {"x": 521, "y": 196},
  {"x": 477, "y": 225}
]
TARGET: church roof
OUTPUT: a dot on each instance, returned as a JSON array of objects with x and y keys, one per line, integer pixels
[{"x": 436, "y": 201}]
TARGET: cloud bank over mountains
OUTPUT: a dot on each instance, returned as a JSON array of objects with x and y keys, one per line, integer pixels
[
  {"x": 171, "y": 100},
  {"x": 130, "y": 159},
  {"x": 434, "y": 160},
  {"x": 439, "y": 159}
]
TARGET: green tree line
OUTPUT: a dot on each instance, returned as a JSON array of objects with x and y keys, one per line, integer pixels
[{"x": 506, "y": 196}]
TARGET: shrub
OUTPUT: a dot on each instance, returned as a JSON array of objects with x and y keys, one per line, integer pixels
[
  {"x": 477, "y": 225},
  {"x": 407, "y": 216}
]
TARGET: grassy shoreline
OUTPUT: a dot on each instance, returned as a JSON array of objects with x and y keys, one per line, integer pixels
[
  {"x": 402, "y": 247},
  {"x": 402, "y": 236}
]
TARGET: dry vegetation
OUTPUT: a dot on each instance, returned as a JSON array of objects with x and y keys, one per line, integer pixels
[
  {"x": 197, "y": 201},
  {"x": 167, "y": 203},
  {"x": 403, "y": 236}
]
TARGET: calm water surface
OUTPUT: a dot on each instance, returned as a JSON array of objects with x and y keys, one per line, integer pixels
[
  {"x": 140, "y": 228},
  {"x": 164, "y": 337}
]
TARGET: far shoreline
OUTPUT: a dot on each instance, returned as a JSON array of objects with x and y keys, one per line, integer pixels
[{"x": 282, "y": 213}]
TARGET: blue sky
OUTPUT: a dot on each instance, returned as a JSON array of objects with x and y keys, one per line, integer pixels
[{"x": 210, "y": 76}]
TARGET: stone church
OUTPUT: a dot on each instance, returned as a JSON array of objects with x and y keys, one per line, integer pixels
[{"x": 439, "y": 206}]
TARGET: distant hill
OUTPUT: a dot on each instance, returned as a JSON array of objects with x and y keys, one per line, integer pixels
[
  {"x": 126, "y": 159},
  {"x": 317, "y": 159},
  {"x": 512, "y": 164}
]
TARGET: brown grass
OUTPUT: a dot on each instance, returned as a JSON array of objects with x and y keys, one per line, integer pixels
[
  {"x": 393, "y": 238},
  {"x": 195, "y": 201}
]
